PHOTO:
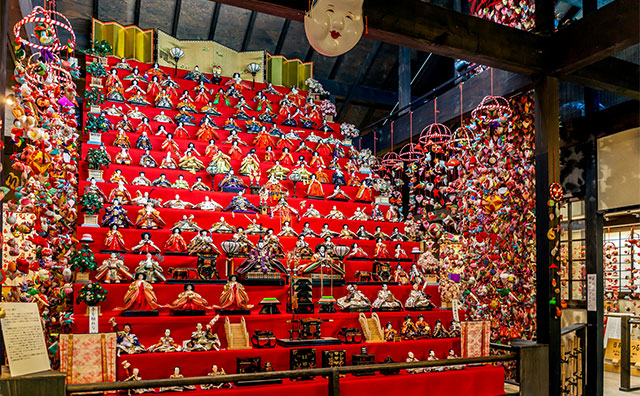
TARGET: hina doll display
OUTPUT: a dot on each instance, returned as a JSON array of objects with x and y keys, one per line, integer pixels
[
  {"x": 151, "y": 269},
  {"x": 115, "y": 214},
  {"x": 357, "y": 251},
  {"x": 161, "y": 181},
  {"x": 140, "y": 295},
  {"x": 335, "y": 213},
  {"x": 187, "y": 223},
  {"x": 241, "y": 204},
  {"x": 338, "y": 194},
  {"x": 123, "y": 157},
  {"x": 231, "y": 125},
  {"x": 338, "y": 178},
  {"x": 210, "y": 109},
  {"x": 113, "y": 240},
  {"x": 181, "y": 183},
  {"x": 203, "y": 339},
  {"x": 199, "y": 185},
  {"x": 307, "y": 231},
  {"x": 418, "y": 300},
  {"x": 231, "y": 183},
  {"x": 235, "y": 152},
  {"x": 170, "y": 145},
  {"x": 221, "y": 95},
  {"x": 241, "y": 239},
  {"x": 287, "y": 230},
  {"x": 250, "y": 164},
  {"x": 190, "y": 162},
  {"x": 126, "y": 342},
  {"x": 234, "y": 296},
  {"x": 115, "y": 91},
  {"x": 411, "y": 359},
  {"x": 121, "y": 140},
  {"x": 208, "y": 204},
  {"x": 145, "y": 245},
  {"x": 255, "y": 228},
  {"x": 121, "y": 194},
  {"x": 354, "y": 301},
  {"x": 439, "y": 331},
  {"x": 386, "y": 301},
  {"x": 117, "y": 177},
  {"x": 147, "y": 161},
  {"x": 113, "y": 270},
  {"x": 215, "y": 373},
  {"x": 346, "y": 233},
  {"x": 222, "y": 227},
  {"x": 325, "y": 232},
  {"x": 219, "y": 164},
  {"x": 302, "y": 249},
  {"x": 216, "y": 76},
  {"x": 322, "y": 175},
  {"x": 181, "y": 132},
  {"x": 236, "y": 86},
  {"x": 272, "y": 243},
  {"x": 242, "y": 115},
  {"x": 144, "y": 126},
  {"x": 176, "y": 388},
  {"x": 202, "y": 243},
  {"x": 175, "y": 243},
  {"x": 263, "y": 139},
  {"x": 364, "y": 192},
  {"x": 177, "y": 203},
  {"x": 321, "y": 260},
  {"x": 389, "y": 332},
  {"x": 143, "y": 142},
  {"x": 359, "y": 215},
  {"x": 207, "y": 131},
  {"x": 400, "y": 253},
  {"x": 396, "y": 235},
  {"x": 201, "y": 98},
  {"x": 379, "y": 234},
  {"x": 400, "y": 276},
  {"x": 196, "y": 75},
  {"x": 284, "y": 210},
  {"x": 188, "y": 301},
  {"x": 211, "y": 149},
  {"x": 261, "y": 259},
  {"x": 312, "y": 212},
  {"x": 408, "y": 330},
  {"x": 149, "y": 218},
  {"x": 139, "y": 96},
  {"x": 143, "y": 199},
  {"x": 162, "y": 117},
  {"x": 278, "y": 171},
  {"x": 163, "y": 100},
  {"x": 135, "y": 76},
  {"x": 165, "y": 344},
  {"x": 381, "y": 249}
]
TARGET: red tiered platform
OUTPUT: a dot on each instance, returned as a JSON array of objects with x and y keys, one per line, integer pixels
[{"x": 471, "y": 381}]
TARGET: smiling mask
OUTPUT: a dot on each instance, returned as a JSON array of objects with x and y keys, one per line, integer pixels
[{"x": 333, "y": 27}]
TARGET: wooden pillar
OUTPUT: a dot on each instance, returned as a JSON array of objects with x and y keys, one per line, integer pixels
[
  {"x": 404, "y": 76},
  {"x": 547, "y": 165},
  {"x": 594, "y": 354}
]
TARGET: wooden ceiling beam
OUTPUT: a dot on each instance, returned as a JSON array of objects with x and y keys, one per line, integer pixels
[
  {"x": 596, "y": 36},
  {"x": 136, "y": 13},
  {"x": 247, "y": 34},
  {"x": 214, "y": 21},
  {"x": 176, "y": 18},
  {"x": 283, "y": 35},
  {"x": 430, "y": 28},
  {"x": 335, "y": 67},
  {"x": 364, "y": 69},
  {"x": 610, "y": 74},
  {"x": 361, "y": 93}
]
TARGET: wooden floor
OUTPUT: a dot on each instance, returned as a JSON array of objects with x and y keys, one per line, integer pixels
[{"x": 612, "y": 385}]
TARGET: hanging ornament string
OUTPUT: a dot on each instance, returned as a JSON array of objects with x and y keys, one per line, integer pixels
[
  {"x": 375, "y": 140},
  {"x": 435, "y": 110},
  {"x": 411, "y": 126},
  {"x": 461, "y": 118},
  {"x": 555, "y": 189},
  {"x": 391, "y": 135}
]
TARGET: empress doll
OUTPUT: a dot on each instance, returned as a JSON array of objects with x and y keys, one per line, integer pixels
[
  {"x": 116, "y": 215},
  {"x": 140, "y": 296},
  {"x": 115, "y": 92},
  {"x": 175, "y": 243},
  {"x": 234, "y": 295},
  {"x": 263, "y": 139},
  {"x": 188, "y": 300},
  {"x": 149, "y": 218}
]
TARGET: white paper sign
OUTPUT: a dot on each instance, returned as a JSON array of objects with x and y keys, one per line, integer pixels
[
  {"x": 94, "y": 313},
  {"x": 455, "y": 305},
  {"x": 613, "y": 329},
  {"x": 24, "y": 339},
  {"x": 591, "y": 292}
]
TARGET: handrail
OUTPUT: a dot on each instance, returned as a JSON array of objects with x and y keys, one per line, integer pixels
[
  {"x": 331, "y": 371},
  {"x": 572, "y": 328}
]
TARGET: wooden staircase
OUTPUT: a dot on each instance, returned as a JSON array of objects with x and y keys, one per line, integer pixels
[
  {"x": 371, "y": 328},
  {"x": 237, "y": 335}
]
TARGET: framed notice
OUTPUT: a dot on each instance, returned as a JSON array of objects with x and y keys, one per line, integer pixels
[{"x": 24, "y": 339}]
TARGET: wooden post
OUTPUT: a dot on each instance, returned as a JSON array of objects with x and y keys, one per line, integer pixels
[
  {"x": 532, "y": 363},
  {"x": 593, "y": 375},
  {"x": 47, "y": 383},
  {"x": 547, "y": 165},
  {"x": 625, "y": 354},
  {"x": 334, "y": 383},
  {"x": 404, "y": 76}
]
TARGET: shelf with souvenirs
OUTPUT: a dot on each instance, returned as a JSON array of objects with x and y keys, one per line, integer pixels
[{"x": 169, "y": 244}]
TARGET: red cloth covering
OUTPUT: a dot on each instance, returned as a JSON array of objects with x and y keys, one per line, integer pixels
[{"x": 472, "y": 381}]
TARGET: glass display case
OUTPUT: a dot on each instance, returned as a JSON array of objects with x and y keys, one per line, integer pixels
[{"x": 572, "y": 253}]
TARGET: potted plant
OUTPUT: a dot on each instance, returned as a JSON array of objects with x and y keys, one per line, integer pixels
[
  {"x": 91, "y": 204},
  {"x": 328, "y": 110},
  {"x": 94, "y": 98},
  {"x": 91, "y": 294},
  {"x": 315, "y": 88},
  {"x": 97, "y": 72},
  {"x": 97, "y": 159},
  {"x": 95, "y": 126},
  {"x": 83, "y": 261},
  {"x": 349, "y": 131},
  {"x": 100, "y": 49}
]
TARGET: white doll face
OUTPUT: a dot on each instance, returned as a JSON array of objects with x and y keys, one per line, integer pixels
[{"x": 334, "y": 27}]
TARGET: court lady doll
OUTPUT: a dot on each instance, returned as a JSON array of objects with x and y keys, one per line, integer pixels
[
  {"x": 115, "y": 92},
  {"x": 140, "y": 296},
  {"x": 175, "y": 243},
  {"x": 143, "y": 142}
]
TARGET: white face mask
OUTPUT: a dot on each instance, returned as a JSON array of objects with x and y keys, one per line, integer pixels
[{"x": 333, "y": 27}]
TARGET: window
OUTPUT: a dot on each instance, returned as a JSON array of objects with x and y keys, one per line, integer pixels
[{"x": 572, "y": 254}]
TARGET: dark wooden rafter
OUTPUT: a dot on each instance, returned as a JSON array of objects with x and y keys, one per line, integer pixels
[
  {"x": 136, "y": 13},
  {"x": 430, "y": 28},
  {"x": 214, "y": 21},
  {"x": 309, "y": 55},
  {"x": 364, "y": 69},
  {"x": 247, "y": 34},
  {"x": 336, "y": 65},
  {"x": 596, "y": 36},
  {"x": 283, "y": 36},
  {"x": 610, "y": 74},
  {"x": 176, "y": 18},
  {"x": 96, "y": 9},
  {"x": 360, "y": 93},
  {"x": 404, "y": 77}
]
